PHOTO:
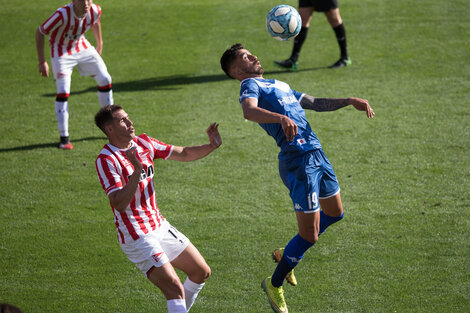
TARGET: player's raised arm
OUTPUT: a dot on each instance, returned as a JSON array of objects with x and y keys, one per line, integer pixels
[
  {"x": 333, "y": 104},
  {"x": 42, "y": 63},
  {"x": 193, "y": 153},
  {"x": 253, "y": 113}
]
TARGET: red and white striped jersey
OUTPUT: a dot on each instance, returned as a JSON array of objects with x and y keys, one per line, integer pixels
[
  {"x": 66, "y": 31},
  {"x": 142, "y": 214}
]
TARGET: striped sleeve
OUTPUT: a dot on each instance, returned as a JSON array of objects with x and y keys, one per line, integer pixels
[
  {"x": 95, "y": 14},
  {"x": 108, "y": 175},
  {"x": 53, "y": 22},
  {"x": 160, "y": 149}
]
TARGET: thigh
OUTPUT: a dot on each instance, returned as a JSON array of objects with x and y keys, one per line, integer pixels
[
  {"x": 303, "y": 178},
  {"x": 63, "y": 66},
  {"x": 193, "y": 264},
  {"x": 332, "y": 206},
  {"x": 329, "y": 185},
  {"x": 333, "y": 17},
  {"x": 90, "y": 63},
  {"x": 306, "y": 15}
]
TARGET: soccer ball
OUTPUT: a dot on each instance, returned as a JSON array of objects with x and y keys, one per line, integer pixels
[{"x": 283, "y": 22}]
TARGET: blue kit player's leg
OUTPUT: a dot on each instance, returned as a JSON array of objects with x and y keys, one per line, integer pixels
[
  {"x": 312, "y": 183},
  {"x": 329, "y": 195},
  {"x": 299, "y": 175}
]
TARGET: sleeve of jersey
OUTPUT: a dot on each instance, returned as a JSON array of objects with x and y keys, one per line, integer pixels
[
  {"x": 161, "y": 149},
  {"x": 298, "y": 95},
  {"x": 96, "y": 13},
  {"x": 249, "y": 89},
  {"x": 109, "y": 178},
  {"x": 54, "y": 21}
]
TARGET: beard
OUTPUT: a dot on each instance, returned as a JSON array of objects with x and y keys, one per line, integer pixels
[{"x": 255, "y": 71}]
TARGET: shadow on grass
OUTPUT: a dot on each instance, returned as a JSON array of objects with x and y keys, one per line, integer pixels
[
  {"x": 171, "y": 82},
  {"x": 46, "y": 145}
]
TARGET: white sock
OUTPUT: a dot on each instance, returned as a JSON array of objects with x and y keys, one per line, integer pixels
[
  {"x": 62, "y": 114},
  {"x": 191, "y": 291},
  {"x": 176, "y": 306},
  {"x": 105, "y": 97}
]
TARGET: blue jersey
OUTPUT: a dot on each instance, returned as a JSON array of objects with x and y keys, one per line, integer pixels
[{"x": 278, "y": 97}]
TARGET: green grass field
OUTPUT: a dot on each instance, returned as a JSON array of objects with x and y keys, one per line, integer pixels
[{"x": 405, "y": 175}]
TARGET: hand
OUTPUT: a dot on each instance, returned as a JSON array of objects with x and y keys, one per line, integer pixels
[
  {"x": 289, "y": 128},
  {"x": 214, "y": 136},
  {"x": 44, "y": 69},
  {"x": 131, "y": 155},
  {"x": 362, "y": 105}
]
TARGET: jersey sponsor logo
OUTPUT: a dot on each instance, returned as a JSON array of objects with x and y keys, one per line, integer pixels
[
  {"x": 145, "y": 174},
  {"x": 287, "y": 100},
  {"x": 157, "y": 257}
]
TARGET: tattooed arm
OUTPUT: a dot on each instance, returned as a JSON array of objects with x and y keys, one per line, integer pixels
[{"x": 332, "y": 104}]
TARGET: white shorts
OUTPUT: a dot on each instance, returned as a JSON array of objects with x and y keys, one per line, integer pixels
[
  {"x": 88, "y": 63},
  {"x": 156, "y": 248}
]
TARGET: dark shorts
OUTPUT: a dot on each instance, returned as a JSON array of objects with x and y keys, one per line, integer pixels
[{"x": 319, "y": 5}]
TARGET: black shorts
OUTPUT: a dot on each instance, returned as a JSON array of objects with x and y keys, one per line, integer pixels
[{"x": 319, "y": 5}]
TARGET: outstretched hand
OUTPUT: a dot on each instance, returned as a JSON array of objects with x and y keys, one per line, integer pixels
[
  {"x": 214, "y": 136},
  {"x": 362, "y": 105}
]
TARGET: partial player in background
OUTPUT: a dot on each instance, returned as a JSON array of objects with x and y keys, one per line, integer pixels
[
  {"x": 331, "y": 10},
  {"x": 303, "y": 166},
  {"x": 66, "y": 29},
  {"x": 126, "y": 172}
]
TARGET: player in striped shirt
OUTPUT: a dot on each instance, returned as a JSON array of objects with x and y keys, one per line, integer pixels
[
  {"x": 66, "y": 29},
  {"x": 126, "y": 172},
  {"x": 303, "y": 166}
]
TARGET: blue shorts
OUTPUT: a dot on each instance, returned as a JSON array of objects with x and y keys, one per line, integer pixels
[{"x": 309, "y": 177}]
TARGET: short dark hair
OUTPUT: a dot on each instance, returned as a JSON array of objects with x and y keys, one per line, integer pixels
[
  {"x": 105, "y": 115},
  {"x": 8, "y": 308},
  {"x": 229, "y": 56}
]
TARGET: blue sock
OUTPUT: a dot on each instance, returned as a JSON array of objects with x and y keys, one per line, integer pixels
[
  {"x": 293, "y": 254},
  {"x": 326, "y": 221}
]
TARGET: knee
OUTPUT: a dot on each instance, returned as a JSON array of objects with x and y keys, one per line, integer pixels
[
  {"x": 311, "y": 235},
  {"x": 103, "y": 79},
  {"x": 334, "y": 18},
  {"x": 202, "y": 274}
]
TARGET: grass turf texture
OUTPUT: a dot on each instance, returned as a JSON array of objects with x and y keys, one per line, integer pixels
[{"x": 405, "y": 177}]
